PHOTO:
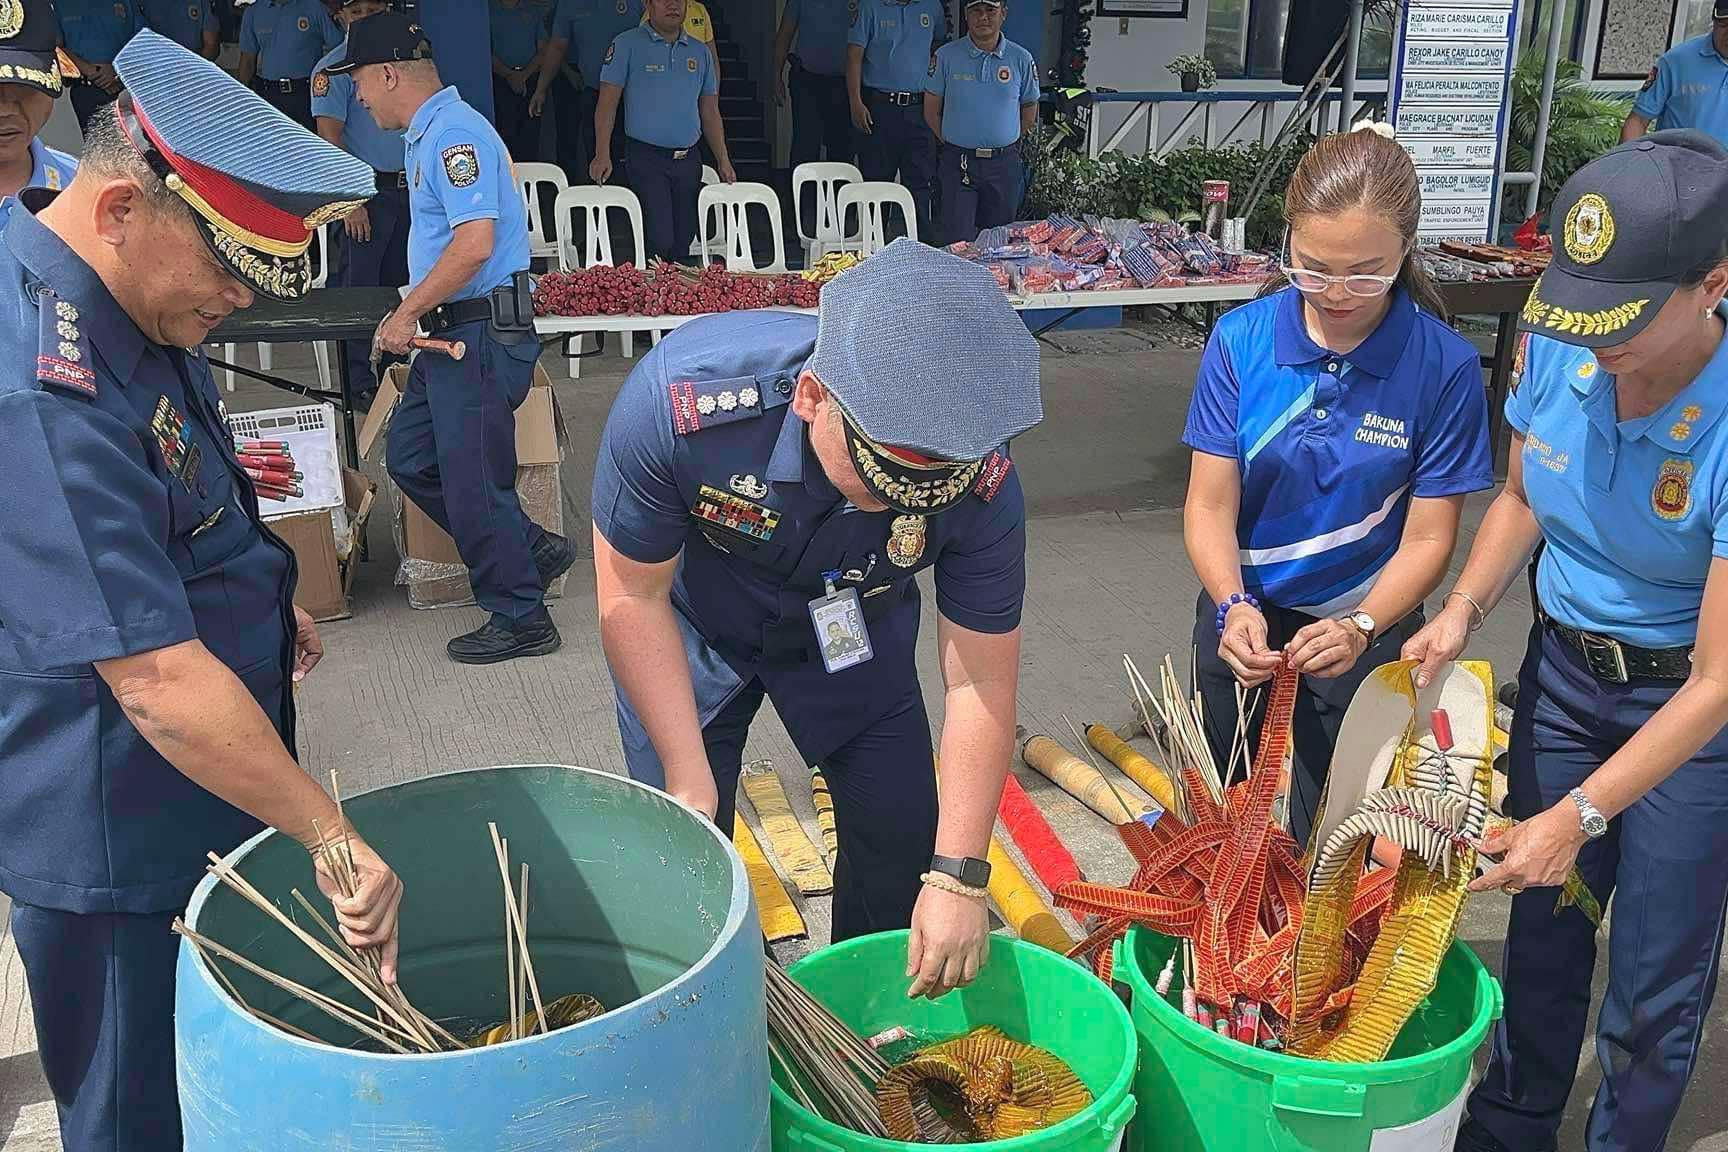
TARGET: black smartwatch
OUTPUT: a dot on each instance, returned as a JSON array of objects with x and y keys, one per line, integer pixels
[{"x": 969, "y": 870}]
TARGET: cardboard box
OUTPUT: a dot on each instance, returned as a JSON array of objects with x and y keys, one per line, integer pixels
[
  {"x": 324, "y": 542},
  {"x": 431, "y": 568}
]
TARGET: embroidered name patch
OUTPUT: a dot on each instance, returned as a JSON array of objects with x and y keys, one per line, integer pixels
[
  {"x": 461, "y": 164},
  {"x": 734, "y": 512}
]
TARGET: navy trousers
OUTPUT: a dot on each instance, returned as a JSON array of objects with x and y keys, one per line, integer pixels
[
  {"x": 1320, "y": 703},
  {"x": 1665, "y": 862},
  {"x": 978, "y": 192},
  {"x": 381, "y": 262},
  {"x": 668, "y": 189},
  {"x": 102, "y": 990},
  {"x": 519, "y": 131},
  {"x": 452, "y": 450},
  {"x": 900, "y": 143},
  {"x": 821, "y": 117}
]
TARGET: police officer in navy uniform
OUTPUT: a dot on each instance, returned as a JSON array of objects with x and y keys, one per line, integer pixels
[
  {"x": 817, "y": 83},
  {"x": 763, "y": 475},
  {"x": 1619, "y": 757},
  {"x": 671, "y": 92},
  {"x": 572, "y": 78},
  {"x": 890, "y": 53},
  {"x": 148, "y": 638},
  {"x": 979, "y": 100},
  {"x": 280, "y": 43},
  {"x": 93, "y": 32},
  {"x": 191, "y": 24},
  {"x": 29, "y": 83},
  {"x": 518, "y": 53},
  {"x": 452, "y": 447},
  {"x": 373, "y": 249}
]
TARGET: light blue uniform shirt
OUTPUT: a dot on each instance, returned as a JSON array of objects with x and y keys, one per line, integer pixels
[
  {"x": 1690, "y": 89},
  {"x": 96, "y": 30},
  {"x": 1633, "y": 510},
  {"x": 182, "y": 21},
  {"x": 50, "y": 167},
  {"x": 982, "y": 91},
  {"x": 1332, "y": 448},
  {"x": 662, "y": 81},
  {"x": 518, "y": 32},
  {"x": 288, "y": 36},
  {"x": 459, "y": 171},
  {"x": 333, "y": 96},
  {"x": 897, "y": 40},
  {"x": 589, "y": 27},
  {"x": 822, "y": 27}
]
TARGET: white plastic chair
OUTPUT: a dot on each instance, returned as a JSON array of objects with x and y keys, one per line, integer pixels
[
  {"x": 709, "y": 176},
  {"x": 593, "y": 203},
  {"x": 530, "y": 178},
  {"x": 320, "y": 259},
  {"x": 824, "y": 235},
  {"x": 870, "y": 198},
  {"x": 732, "y": 202}
]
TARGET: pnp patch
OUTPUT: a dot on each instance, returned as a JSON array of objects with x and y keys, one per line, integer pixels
[{"x": 461, "y": 164}]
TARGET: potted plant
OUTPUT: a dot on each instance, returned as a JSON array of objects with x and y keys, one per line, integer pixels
[{"x": 1196, "y": 72}]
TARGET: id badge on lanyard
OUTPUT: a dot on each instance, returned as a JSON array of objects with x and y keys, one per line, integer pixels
[{"x": 838, "y": 619}]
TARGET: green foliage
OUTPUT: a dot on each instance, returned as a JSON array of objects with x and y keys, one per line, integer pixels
[
  {"x": 1199, "y": 66},
  {"x": 1143, "y": 188},
  {"x": 1582, "y": 124}
]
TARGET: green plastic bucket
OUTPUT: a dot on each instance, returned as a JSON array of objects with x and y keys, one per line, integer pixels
[
  {"x": 1032, "y": 994},
  {"x": 1200, "y": 1092}
]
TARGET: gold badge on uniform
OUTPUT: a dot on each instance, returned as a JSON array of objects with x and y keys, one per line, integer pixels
[
  {"x": 690, "y": 64},
  {"x": 11, "y": 18},
  {"x": 1589, "y": 229},
  {"x": 906, "y": 540},
  {"x": 320, "y": 83},
  {"x": 1004, "y": 75},
  {"x": 304, "y": 24},
  {"x": 1672, "y": 495}
]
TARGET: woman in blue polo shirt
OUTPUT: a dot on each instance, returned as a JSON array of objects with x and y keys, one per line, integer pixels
[
  {"x": 1618, "y": 761},
  {"x": 1336, "y": 425}
]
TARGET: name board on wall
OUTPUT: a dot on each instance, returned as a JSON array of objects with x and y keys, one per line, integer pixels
[{"x": 1451, "y": 73}]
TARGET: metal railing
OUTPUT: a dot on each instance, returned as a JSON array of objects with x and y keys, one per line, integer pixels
[{"x": 1142, "y": 130}]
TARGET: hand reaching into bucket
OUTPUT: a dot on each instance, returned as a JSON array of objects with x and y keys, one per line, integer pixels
[
  {"x": 367, "y": 918},
  {"x": 950, "y": 940}
]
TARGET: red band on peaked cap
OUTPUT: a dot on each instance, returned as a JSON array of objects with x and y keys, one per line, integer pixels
[{"x": 227, "y": 197}]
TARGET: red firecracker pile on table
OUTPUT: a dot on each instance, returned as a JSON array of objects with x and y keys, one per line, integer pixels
[{"x": 667, "y": 290}]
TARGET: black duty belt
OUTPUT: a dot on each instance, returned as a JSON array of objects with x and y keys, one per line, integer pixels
[
  {"x": 389, "y": 181},
  {"x": 903, "y": 99},
  {"x": 669, "y": 153},
  {"x": 1614, "y": 662},
  {"x": 290, "y": 85},
  {"x": 987, "y": 153},
  {"x": 457, "y": 313}
]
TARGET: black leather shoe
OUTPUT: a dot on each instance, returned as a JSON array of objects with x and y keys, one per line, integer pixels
[
  {"x": 553, "y": 556},
  {"x": 1472, "y": 1137},
  {"x": 498, "y": 640}
]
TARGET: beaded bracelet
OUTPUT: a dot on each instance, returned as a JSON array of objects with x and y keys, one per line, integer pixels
[
  {"x": 945, "y": 883},
  {"x": 1230, "y": 602}
]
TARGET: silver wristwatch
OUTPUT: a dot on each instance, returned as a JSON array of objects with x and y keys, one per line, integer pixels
[
  {"x": 1363, "y": 623},
  {"x": 1591, "y": 820}
]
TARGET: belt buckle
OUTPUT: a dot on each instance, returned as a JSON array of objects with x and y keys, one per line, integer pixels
[
  {"x": 680, "y": 153},
  {"x": 285, "y": 85},
  {"x": 1605, "y": 657},
  {"x": 984, "y": 153}
]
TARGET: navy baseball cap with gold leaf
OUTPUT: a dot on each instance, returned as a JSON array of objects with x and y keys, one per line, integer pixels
[
  {"x": 1627, "y": 228},
  {"x": 29, "y": 43},
  {"x": 258, "y": 184}
]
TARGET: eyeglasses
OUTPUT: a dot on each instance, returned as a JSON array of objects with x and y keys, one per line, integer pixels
[{"x": 1360, "y": 284}]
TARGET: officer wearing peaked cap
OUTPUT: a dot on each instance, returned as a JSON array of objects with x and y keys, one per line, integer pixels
[
  {"x": 764, "y": 476},
  {"x": 29, "y": 84},
  {"x": 148, "y": 637}
]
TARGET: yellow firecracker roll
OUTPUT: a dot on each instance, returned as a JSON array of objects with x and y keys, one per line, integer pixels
[
  {"x": 1079, "y": 779},
  {"x": 825, "y": 815},
  {"x": 786, "y": 837},
  {"x": 1135, "y": 766},
  {"x": 1021, "y": 906},
  {"x": 780, "y": 917}
]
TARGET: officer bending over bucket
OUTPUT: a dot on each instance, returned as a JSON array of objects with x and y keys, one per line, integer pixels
[{"x": 767, "y": 488}]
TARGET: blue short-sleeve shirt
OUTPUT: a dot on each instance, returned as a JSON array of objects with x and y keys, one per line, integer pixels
[
  {"x": 288, "y": 36},
  {"x": 1690, "y": 89},
  {"x": 517, "y": 31},
  {"x": 589, "y": 27},
  {"x": 897, "y": 39},
  {"x": 1633, "y": 511},
  {"x": 49, "y": 167},
  {"x": 822, "y": 27},
  {"x": 663, "y": 81},
  {"x": 333, "y": 97},
  {"x": 458, "y": 170},
  {"x": 182, "y": 21},
  {"x": 703, "y": 460},
  {"x": 982, "y": 92},
  {"x": 96, "y": 30},
  {"x": 1331, "y": 448}
]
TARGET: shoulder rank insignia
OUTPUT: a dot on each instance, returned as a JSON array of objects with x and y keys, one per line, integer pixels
[
  {"x": 63, "y": 356},
  {"x": 712, "y": 403},
  {"x": 990, "y": 477}
]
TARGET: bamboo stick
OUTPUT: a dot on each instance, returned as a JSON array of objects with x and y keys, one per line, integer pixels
[{"x": 516, "y": 920}]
